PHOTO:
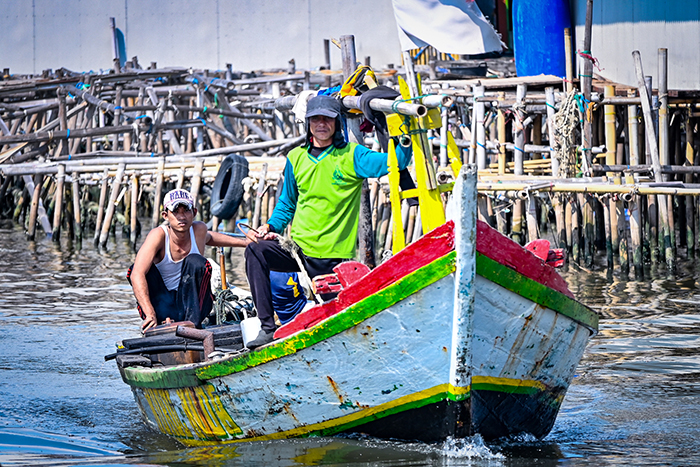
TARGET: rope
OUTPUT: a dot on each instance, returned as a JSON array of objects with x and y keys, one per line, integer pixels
[
  {"x": 229, "y": 307},
  {"x": 587, "y": 55}
]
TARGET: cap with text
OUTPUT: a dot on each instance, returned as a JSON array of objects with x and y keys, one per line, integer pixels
[{"x": 175, "y": 198}]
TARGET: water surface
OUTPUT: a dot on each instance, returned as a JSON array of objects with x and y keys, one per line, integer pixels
[{"x": 634, "y": 401}]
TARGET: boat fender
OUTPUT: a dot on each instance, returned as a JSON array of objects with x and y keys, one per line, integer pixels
[{"x": 227, "y": 193}]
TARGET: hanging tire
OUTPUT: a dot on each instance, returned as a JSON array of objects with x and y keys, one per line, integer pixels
[{"x": 227, "y": 193}]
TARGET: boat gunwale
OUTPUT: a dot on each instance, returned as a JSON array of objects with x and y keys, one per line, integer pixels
[{"x": 488, "y": 268}]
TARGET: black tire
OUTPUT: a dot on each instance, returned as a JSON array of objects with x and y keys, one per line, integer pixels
[{"x": 227, "y": 193}]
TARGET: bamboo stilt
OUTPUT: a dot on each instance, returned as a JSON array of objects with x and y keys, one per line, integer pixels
[
  {"x": 34, "y": 209},
  {"x": 111, "y": 205},
  {"x": 262, "y": 183},
  {"x": 689, "y": 200},
  {"x": 158, "y": 192},
  {"x": 133, "y": 212},
  {"x": 77, "y": 224},
  {"x": 58, "y": 203},
  {"x": 101, "y": 204}
]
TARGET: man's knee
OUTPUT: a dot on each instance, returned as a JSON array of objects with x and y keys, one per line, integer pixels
[{"x": 196, "y": 261}]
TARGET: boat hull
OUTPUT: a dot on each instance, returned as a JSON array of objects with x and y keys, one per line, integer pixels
[{"x": 440, "y": 341}]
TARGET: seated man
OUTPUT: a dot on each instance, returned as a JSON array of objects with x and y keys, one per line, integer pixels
[
  {"x": 170, "y": 276},
  {"x": 321, "y": 198}
]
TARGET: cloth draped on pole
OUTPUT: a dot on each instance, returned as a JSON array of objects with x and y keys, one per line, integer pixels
[{"x": 451, "y": 26}]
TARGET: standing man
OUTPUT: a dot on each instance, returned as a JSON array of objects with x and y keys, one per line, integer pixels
[
  {"x": 321, "y": 195},
  {"x": 170, "y": 276}
]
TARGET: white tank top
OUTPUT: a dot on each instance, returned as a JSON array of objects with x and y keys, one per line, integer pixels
[{"x": 169, "y": 269}]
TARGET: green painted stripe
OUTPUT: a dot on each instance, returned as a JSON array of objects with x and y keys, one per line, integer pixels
[
  {"x": 533, "y": 290},
  {"x": 353, "y": 315}
]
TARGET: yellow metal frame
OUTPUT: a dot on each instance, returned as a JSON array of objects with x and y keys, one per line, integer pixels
[{"x": 428, "y": 190}]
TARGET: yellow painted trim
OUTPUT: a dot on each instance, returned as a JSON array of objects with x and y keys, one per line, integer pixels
[
  {"x": 477, "y": 380},
  {"x": 365, "y": 413},
  {"x": 201, "y": 407},
  {"x": 217, "y": 422}
]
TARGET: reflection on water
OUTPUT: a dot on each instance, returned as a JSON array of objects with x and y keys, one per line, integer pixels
[{"x": 634, "y": 400}]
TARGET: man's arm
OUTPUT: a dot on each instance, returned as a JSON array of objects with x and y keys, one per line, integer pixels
[
  {"x": 287, "y": 204},
  {"x": 219, "y": 239},
  {"x": 143, "y": 262},
  {"x": 371, "y": 164}
]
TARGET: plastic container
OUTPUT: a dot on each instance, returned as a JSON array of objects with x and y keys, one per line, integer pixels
[
  {"x": 250, "y": 328},
  {"x": 538, "y": 36}
]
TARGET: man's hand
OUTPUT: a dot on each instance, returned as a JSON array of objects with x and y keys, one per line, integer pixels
[
  {"x": 263, "y": 232},
  {"x": 149, "y": 322}
]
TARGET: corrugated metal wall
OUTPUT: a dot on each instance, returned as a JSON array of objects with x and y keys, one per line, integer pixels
[
  {"x": 621, "y": 26},
  {"x": 249, "y": 34}
]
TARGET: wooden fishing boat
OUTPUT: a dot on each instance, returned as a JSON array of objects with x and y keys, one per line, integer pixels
[{"x": 462, "y": 332}]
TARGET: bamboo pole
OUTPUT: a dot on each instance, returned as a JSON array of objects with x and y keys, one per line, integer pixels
[
  {"x": 501, "y": 136},
  {"x": 100, "y": 204},
  {"x": 575, "y": 229},
  {"x": 197, "y": 184},
  {"x": 557, "y": 200},
  {"x": 58, "y": 203},
  {"x": 654, "y": 149},
  {"x": 262, "y": 183},
  {"x": 111, "y": 205},
  {"x": 157, "y": 193},
  {"x": 689, "y": 200},
  {"x": 77, "y": 223},
  {"x": 612, "y": 242},
  {"x": 533, "y": 232},
  {"x": 366, "y": 244},
  {"x": 34, "y": 209},
  {"x": 133, "y": 211},
  {"x": 586, "y": 84},
  {"x": 607, "y": 207},
  {"x": 569, "y": 83},
  {"x": 479, "y": 112}
]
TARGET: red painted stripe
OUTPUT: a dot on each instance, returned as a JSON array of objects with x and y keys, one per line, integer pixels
[
  {"x": 490, "y": 242},
  {"x": 433, "y": 245},
  {"x": 427, "y": 249}
]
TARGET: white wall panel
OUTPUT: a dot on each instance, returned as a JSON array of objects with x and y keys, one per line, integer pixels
[{"x": 250, "y": 34}]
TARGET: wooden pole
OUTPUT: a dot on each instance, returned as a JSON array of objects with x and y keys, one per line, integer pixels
[
  {"x": 501, "y": 136},
  {"x": 77, "y": 224},
  {"x": 586, "y": 85},
  {"x": 568, "y": 50},
  {"x": 664, "y": 146},
  {"x": 100, "y": 204},
  {"x": 575, "y": 229},
  {"x": 518, "y": 157},
  {"x": 197, "y": 184},
  {"x": 689, "y": 200},
  {"x": 34, "y": 209},
  {"x": 58, "y": 203},
  {"x": 557, "y": 200},
  {"x": 157, "y": 193},
  {"x": 612, "y": 243},
  {"x": 480, "y": 110},
  {"x": 366, "y": 246},
  {"x": 133, "y": 211},
  {"x": 111, "y": 205},
  {"x": 654, "y": 149},
  {"x": 262, "y": 182}
]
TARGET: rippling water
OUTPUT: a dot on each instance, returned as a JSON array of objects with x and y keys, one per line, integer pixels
[{"x": 635, "y": 400}]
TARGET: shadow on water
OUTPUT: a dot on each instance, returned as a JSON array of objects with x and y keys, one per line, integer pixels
[{"x": 634, "y": 399}]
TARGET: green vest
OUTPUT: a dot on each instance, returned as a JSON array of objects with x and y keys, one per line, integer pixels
[{"x": 327, "y": 212}]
